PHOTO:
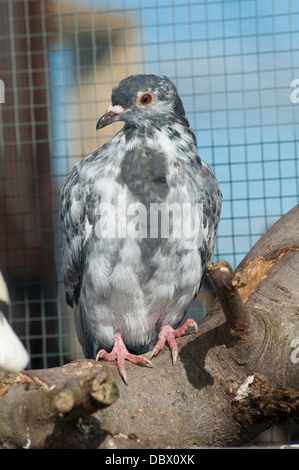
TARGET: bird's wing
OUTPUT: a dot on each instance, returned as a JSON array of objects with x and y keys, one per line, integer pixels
[
  {"x": 76, "y": 230},
  {"x": 208, "y": 196},
  {"x": 211, "y": 215},
  {"x": 76, "y": 214}
]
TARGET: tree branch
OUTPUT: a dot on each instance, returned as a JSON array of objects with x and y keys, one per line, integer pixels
[
  {"x": 226, "y": 285},
  {"x": 42, "y": 409},
  {"x": 222, "y": 391},
  {"x": 257, "y": 400}
]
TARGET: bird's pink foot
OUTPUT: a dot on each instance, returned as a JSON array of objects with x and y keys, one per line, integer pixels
[
  {"x": 120, "y": 353},
  {"x": 167, "y": 333}
]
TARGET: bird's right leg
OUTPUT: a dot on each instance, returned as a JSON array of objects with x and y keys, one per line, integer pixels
[{"x": 120, "y": 353}]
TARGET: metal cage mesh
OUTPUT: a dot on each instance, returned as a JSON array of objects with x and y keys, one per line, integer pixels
[{"x": 233, "y": 62}]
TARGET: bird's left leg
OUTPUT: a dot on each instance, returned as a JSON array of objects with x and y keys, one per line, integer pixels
[
  {"x": 167, "y": 333},
  {"x": 120, "y": 353}
]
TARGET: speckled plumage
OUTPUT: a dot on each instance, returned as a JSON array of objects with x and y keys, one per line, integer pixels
[{"x": 135, "y": 285}]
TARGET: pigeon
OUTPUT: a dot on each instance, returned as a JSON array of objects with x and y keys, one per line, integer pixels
[{"x": 139, "y": 224}]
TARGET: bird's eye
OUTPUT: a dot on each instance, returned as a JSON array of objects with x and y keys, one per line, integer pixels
[{"x": 145, "y": 99}]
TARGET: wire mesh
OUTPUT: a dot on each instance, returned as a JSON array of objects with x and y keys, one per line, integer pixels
[{"x": 233, "y": 63}]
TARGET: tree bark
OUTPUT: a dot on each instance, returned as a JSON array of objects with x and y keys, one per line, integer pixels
[{"x": 236, "y": 377}]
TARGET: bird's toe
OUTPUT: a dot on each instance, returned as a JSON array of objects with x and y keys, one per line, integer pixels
[
  {"x": 120, "y": 354},
  {"x": 169, "y": 335}
]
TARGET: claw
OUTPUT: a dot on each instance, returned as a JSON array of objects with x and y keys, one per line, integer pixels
[
  {"x": 167, "y": 333},
  {"x": 120, "y": 353}
]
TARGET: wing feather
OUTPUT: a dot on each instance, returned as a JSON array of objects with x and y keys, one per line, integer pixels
[{"x": 74, "y": 211}]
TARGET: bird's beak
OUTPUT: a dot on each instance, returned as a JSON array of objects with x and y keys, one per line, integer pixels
[{"x": 113, "y": 114}]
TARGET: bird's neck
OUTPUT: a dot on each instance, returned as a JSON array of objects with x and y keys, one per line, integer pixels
[{"x": 161, "y": 130}]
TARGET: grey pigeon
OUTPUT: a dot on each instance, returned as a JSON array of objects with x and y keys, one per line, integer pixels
[{"x": 140, "y": 218}]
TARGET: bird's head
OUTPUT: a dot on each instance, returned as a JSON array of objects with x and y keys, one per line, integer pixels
[{"x": 143, "y": 97}]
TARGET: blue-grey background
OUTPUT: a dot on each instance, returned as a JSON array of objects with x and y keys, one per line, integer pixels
[{"x": 233, "y": 63}]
